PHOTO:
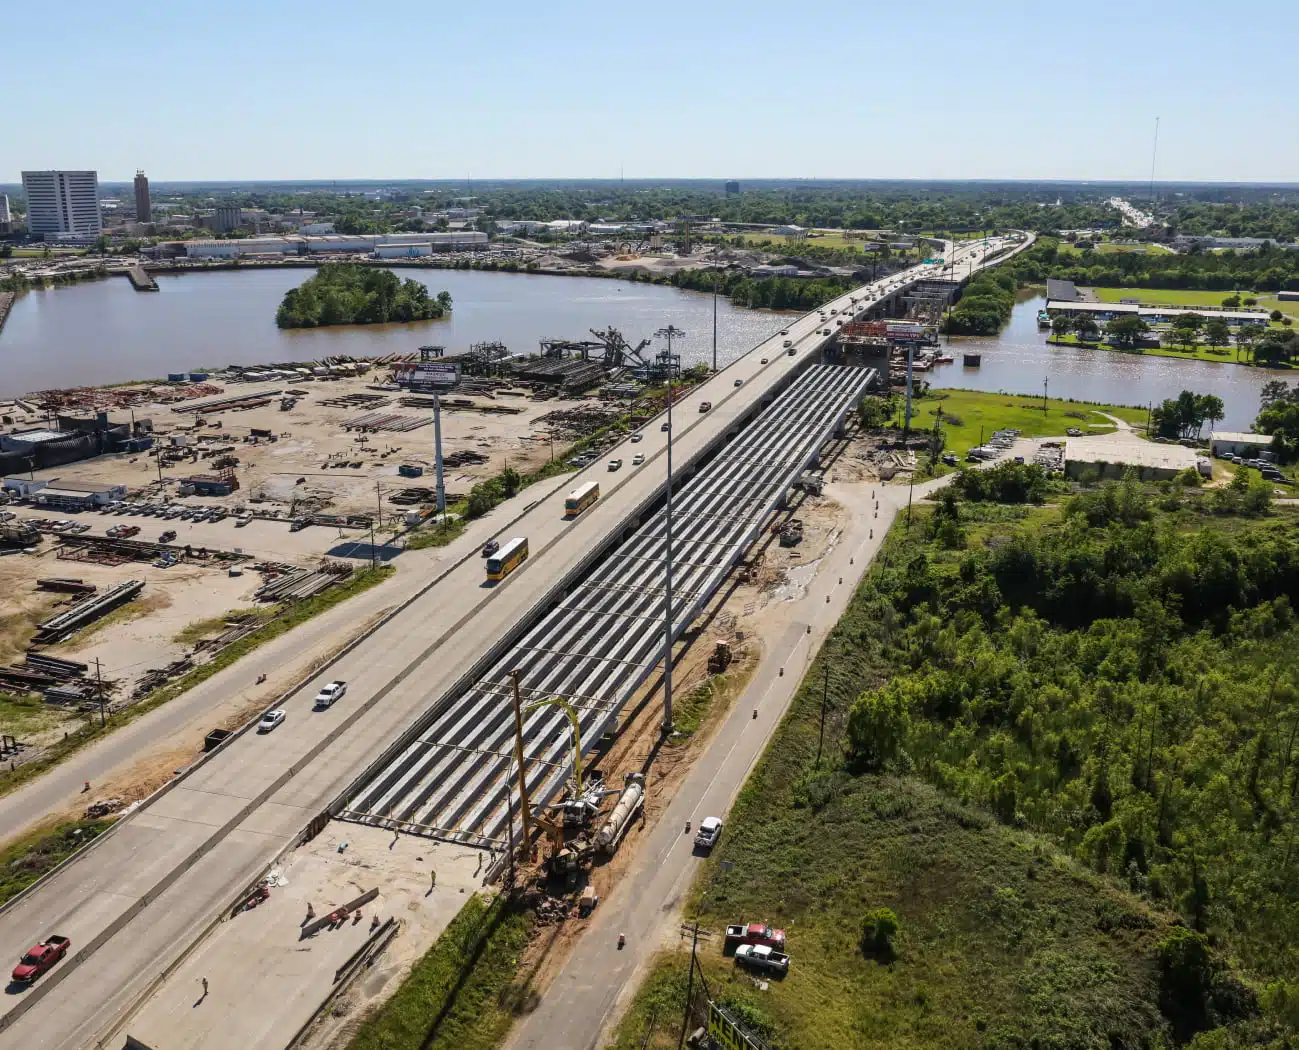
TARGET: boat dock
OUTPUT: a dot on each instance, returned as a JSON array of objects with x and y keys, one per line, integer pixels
[{"x": 140, "y": 279}]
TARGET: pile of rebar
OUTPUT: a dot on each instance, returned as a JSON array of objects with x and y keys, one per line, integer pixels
[
  {"x": 301, "y": 584},
  {"x": 385, "y": 421},
  {"x": 86, "y": 611}
]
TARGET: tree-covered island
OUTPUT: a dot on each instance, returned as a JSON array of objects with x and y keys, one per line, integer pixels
[{"x": 348, "y": 293}]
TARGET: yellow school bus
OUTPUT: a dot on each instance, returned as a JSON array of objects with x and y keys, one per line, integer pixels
[
  {"x": 581, "y": 498},
  {"x": 509, "y": 557}
]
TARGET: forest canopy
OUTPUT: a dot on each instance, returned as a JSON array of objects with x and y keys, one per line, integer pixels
[{"x": 349, "y": 293}]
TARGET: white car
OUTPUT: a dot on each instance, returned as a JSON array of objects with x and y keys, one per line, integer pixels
[
  {"x": 710, "y": 830},
  {"x": 615, "y": 464},
  {"x": 638, "y": 459},
  {"x": 638, "y": 436},
  {"x": 270, "y": 720},
  {"x": 328, "y": 694}
]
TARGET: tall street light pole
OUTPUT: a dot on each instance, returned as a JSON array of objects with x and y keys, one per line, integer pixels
[
  {"x": 668, "y": 333},
  {"x": 717, "y": 277}
]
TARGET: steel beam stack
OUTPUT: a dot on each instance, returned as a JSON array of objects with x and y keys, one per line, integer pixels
[{"x": 604, "y": 639}]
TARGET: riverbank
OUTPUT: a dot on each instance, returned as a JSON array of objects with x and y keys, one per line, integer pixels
[
  {"x": 6, "y": 304},
  {"x": 1221, "y": 355}
]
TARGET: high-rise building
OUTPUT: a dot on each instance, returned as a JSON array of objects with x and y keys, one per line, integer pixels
[
  {"x": 62, "y": 202},
  {"x": 6, "y": 217},
  {"x": 732, "y": 188},
  {"x": 143, "y": 209}
]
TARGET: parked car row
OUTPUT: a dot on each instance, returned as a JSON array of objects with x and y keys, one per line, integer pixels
[{"x": 170, "y": 511}]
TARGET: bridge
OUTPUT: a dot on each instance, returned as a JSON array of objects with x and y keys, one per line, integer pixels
[{"x": 139, "y": 897}]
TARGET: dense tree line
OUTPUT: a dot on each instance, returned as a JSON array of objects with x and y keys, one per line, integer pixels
[
  {"x": 1122, "y": 673},
  {"x": 348, "y": 293},
  {"x": 985, "y": 304},
  {"x": 1267, "y": 270},
  {"x": 770, "y": 293}
]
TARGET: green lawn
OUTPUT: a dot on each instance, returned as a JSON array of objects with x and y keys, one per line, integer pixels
[
  {"x": 979, "y": 414},
  {"x": 1188, "y": 297}
]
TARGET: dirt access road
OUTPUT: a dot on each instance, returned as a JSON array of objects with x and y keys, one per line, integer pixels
[{"x": 589, "y": 992}]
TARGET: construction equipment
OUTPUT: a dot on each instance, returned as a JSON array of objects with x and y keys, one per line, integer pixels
[
  {"x": 630, "y": 802},
  {"x": 720, "y": 659},
  {"x": 791, "y": 532}
]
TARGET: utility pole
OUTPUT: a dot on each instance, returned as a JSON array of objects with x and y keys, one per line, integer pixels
[
  {"x": 372, "y": 545},
  {"x": 690, "y": 986},
  {"x": 99, "y": 685},
  {"x": 440, "y": 488},
  {"x": 1045, "y": 380},
  {"x": 523, "y": 773},
  {"x": 668, "y": 332}
]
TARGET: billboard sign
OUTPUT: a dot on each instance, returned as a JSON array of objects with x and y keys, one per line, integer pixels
[
  {"x": 430, "y": 375},
  {"x": 724, "y": 1032},
  {"x": 904, "y": 333}
]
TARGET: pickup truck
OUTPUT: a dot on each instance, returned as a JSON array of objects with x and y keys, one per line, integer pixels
[
  {"x": 755, "y": 933},
  {"x": 40, "y": 958},
  {"x": 761, "y": 957},
  {"x": 329, "y": 693}
]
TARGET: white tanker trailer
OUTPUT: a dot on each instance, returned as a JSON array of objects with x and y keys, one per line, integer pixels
[{"x": 620, "y": 817}]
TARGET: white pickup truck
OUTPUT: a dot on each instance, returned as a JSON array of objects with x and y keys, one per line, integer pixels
[
  {"x": 329, "y": 693},
  {"x": 762, "y": 957}
]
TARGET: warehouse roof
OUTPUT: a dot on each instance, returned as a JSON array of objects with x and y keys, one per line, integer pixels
[{"x": 1242, "y": 437}]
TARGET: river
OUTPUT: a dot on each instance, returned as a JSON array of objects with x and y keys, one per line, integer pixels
[
  {"x": 1019, "y": 359},
  {"x": 105, "y": 332}
]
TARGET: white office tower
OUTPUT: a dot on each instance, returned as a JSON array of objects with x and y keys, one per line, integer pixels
[{"x": 62, "y": 202}]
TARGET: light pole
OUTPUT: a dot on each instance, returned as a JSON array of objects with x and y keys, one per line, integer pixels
[
  {"x": 668, "y": 333},
  {"x": 440, "y": 488},
  {"x": 717, "y": 277}
]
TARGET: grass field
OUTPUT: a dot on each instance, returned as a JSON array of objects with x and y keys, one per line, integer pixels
[
  {"x": 1187, "y": 297},
  {"x": 980, "y": 414},
  {"x": 1002, "y": 942}
]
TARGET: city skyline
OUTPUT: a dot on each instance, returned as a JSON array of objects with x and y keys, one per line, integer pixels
[{"x": 830, "y": 91}]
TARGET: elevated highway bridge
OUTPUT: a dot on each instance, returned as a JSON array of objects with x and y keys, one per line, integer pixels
[{"x": 136, "y": 899}]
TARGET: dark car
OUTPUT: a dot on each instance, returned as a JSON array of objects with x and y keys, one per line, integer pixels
[{"x": 490, "y": 548}]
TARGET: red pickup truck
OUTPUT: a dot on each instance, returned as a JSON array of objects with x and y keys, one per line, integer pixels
[
  {"x": 40, "y": 958},
  {"x": 755, "y": 933}
]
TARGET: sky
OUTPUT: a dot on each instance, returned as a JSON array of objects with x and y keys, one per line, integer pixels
[{"x": 1004, "y": 89}]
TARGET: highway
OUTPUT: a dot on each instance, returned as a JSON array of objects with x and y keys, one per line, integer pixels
[
  {"x": 136, "y": 899},
  {"x": 606, "y": 636}
]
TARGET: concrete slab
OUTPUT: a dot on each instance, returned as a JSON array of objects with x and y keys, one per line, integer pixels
[{"x": 264, "y": 979}]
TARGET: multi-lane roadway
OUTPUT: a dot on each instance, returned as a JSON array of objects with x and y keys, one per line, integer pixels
[{"x": 140, "y": 896}]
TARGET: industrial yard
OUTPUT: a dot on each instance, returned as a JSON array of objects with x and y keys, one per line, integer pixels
[{"x": 225, "y": 498}]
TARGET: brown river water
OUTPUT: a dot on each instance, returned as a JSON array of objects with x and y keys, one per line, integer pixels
[{"x": 105, "y": 332}]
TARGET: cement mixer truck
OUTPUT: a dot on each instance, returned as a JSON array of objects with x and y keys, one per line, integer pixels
[{"x": 630, "y": 802}]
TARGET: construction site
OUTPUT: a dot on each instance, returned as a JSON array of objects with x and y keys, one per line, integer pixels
[{"x": 250, "y": 489}]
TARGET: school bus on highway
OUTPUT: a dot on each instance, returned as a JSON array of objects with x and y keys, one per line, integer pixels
[
  {"x": 581, "y": 498},
  {"x": 510, "y": 556}
]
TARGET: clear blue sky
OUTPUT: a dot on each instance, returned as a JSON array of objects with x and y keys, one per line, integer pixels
[{"x": 768, "y": 88}]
